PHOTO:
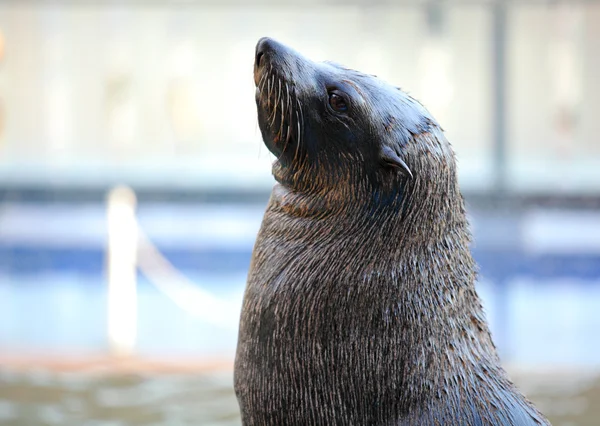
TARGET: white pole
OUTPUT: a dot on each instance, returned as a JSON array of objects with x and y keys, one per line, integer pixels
[{"x": 122, "y": 258}]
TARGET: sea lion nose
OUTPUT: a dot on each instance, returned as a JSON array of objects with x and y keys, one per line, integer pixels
[{"x": 264, "y": 48}]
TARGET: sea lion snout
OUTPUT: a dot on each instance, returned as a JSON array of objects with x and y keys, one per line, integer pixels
[
  {"x": 264, "y": 46},
  {"x": 278, "y": 78},
  {"x": 270, "y": 54}
]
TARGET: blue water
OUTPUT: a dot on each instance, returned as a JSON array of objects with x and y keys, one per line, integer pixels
[
  {"x": 542, "y": 294},
  {"x": 548, "y": 322}
]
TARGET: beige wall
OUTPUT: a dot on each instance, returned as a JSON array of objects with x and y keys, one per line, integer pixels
[
  {"x": 158, "y": 94},
  {"x": 553, "y": 96}
]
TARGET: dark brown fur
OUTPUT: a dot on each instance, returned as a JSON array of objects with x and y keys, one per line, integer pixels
[{"x": 360, "y": 306}]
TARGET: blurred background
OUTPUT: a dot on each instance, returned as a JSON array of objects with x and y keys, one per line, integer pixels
[{"x": 133, "y": 180}]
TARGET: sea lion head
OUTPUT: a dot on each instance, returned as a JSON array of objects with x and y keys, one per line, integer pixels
[{"x": 345, "y": 135}]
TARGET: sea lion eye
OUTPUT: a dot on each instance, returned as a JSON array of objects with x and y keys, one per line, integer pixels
[{"x": 337, "y": 102}]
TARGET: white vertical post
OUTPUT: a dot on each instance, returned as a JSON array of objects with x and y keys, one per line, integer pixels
[{"x": 122, "y": 259}]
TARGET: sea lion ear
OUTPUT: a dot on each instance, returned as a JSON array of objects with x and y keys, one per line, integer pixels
[{"x": 390, "y": 158}]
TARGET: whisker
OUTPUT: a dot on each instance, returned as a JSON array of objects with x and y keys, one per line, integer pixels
[
  {"x": 288, "y": 111},
  {"x": 274, "y": 113},
  {"x": 300, "y": 122},
  {"x": 289, "y": 101},
  {"x": 278, "y": 92},
  {"x": 287, "y": 137},
  {"x": 269, "y": 87},
  {"x": 262, "y": 79},
  {"x": 261, "y": 85},
  {"x": 297, "y": 137},
  {"x": 301, "y": 119},
  {"x": 282, "y": 113}
]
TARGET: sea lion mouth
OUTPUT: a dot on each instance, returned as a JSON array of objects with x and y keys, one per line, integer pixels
[{"x": 280, "y": 114}]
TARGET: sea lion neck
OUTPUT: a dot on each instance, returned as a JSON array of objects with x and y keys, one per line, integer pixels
[
  {"x": 310, "y": 191},
  {"x": 297, "y": 204},
  {"x": 304, "y": 205},
  {"x": 382, "y": 270}
]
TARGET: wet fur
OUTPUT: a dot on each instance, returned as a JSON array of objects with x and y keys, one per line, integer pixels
[{"x": 360, "y": 306}]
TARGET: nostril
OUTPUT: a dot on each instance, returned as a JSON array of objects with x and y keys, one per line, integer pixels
[
  {"x": 258, "y": 58},
  {"x": 264, "y": 46}
]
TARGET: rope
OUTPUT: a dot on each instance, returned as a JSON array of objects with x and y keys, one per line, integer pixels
[{"x": 187, "y": 295}]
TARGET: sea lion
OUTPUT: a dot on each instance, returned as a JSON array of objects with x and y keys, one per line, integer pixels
[{"x": 360, "y": 306}]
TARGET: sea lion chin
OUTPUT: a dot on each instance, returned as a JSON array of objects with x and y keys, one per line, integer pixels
[{"x": 360, "y": 306}]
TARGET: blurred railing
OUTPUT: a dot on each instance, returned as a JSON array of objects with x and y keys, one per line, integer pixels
[{"x": 129, "y": 249}]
